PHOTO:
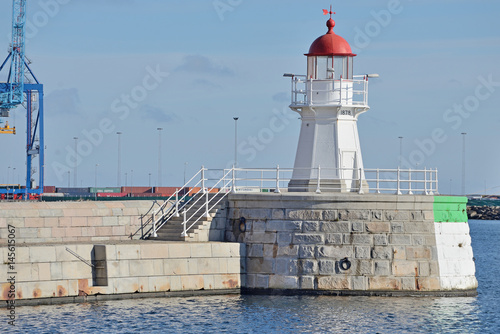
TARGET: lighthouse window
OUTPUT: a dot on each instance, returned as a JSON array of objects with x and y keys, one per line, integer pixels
[
  {"x": 339, "y": 67},
  {"x": 322, "y": 68}
]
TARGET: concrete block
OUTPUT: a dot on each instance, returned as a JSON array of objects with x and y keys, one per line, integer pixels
[
  {"x": 270, "y": 250},
  {"x": 284, "y": 238},
  {"x": 208, "y": 282},
  {"x": 428, "y": 284},
  {"x": 76, "y": 270},
  {"x": 258, "y": 226},
  {"x": 283, "y": 282},
  {"x": 357, "y": 239},
  {"x": 408, "y": 283},
  {"x": 288, "y": 251},
  {"x": 333, "y": 238},
  {"x": 335, "y": 252},
  {"x": 310, "y": 226},
  {"x": 154, "y": 251},
  {"x": 397, "y": 227},
  {"x": 304, "y": 214},
  {"x": 235, "y": 266},
  {"x": 380, "y": 240},
  {"x": 377, "y": 215},
  {"x": 176, "y": 266},
  {"x": 335, "y": 227},
  {"x": 220, "y": 249},
  {"x": 308, "y": 238},
  {"x": 223, "y": 266},
  {"x": 418, "y": 253},
  {"x": 334, "y": 283},
  {"x": 158, "y": 267},
  {"x": 384, "y": 283},
  {"x": 179, "y": 250},
  {"x": 359, "y": 283},
  {"x": 255, "y": 250},
  {"x": 326, "y": 267},
  {"x": 306, "y": 282},
  {"x": 308, "y": 267},
  {"x": 141, "y": 268},
  {"x": 416, "y": 216},
  {"x": 128, "y": 252},
  {"x": 358, "y": 214},
  {"x": 419, "y": 227},
  {"x": 117, "y": 269},
  {"x": 330, "y": 215},
  {"x": 382, "y": 268},
  {"x": 278, "y": 213},
  {"x": 260, "y": 266},
  {"x": 192, "y": 266},
  {"x": 42, "y": 254},
  {"x": 33, "y": 222},
  {"x": 378, "y": 227},
  {"x": 365, "y": 267},
  {"x": 399, "y": 252},
  {"x": 159, "y": 283},
  {"x": 201, "y": 250},
  {"x": 262, "y": 237},
  {"x": 424, "y": 269},
  {"x": 362, "y": 252},
  {"x": 381, "y": 252},
  {"x": 400, "y": 239},
  {"x": 175, "y": 283},
  {"x": 404, "y": 268},
  {"x": 23, "y": 270},
  {"x": 358, "y": 226},
  {"x": 262, "y": 281},
  {"x": 192, "y": 282},
  {"x": 287, "y": 267},
  {"x": 262, "y": 214},
  {"x": 306, "y": 252}
]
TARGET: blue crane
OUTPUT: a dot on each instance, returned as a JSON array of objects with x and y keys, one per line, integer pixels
[{"x": 23, "y": 88}]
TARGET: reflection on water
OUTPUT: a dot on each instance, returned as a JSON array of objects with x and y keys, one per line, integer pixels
[{"x": 314, "y": 314}]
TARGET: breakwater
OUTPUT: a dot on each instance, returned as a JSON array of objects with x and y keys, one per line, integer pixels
[{"x": 483, "y": 212}]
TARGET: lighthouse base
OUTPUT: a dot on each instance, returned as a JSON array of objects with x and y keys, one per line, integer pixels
[{"x": 329, "y": 186}]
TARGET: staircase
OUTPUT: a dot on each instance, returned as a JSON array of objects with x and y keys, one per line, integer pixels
[{"x": 201, "y": 230}]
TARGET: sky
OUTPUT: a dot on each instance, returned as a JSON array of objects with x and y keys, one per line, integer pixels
[{"x": 189, "y": 67}]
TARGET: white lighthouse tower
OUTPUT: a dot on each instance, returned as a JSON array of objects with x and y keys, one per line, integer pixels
[{"x": 329, "y": 100}]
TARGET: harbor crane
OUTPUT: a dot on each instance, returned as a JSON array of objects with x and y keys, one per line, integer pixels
[{"x": 22, "y": 88}]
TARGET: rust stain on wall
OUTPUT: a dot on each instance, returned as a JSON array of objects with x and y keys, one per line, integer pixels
[
  {"x": 37, "y": 293},
  {"x": 83, "y": 287},
  {"x": 5, "y": 291},
  {"x": 231, "y": 283},
  {"x": 61, "y": 291}
]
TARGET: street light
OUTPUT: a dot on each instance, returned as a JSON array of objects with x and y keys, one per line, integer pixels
[
  {"x": 119, "y": 177},
  {"x": 131, "y": 177},
  {"x": 185, "y": 165},
  {"x": 126, "y": 181},
  {"x": 159, "y": 156},
  {"x": 463, "y": 163},
  {"x": 400, "y": 150},
  {"x": 76, "y": 162},
  {"x": 235, "y": 140},
  {"x": 95, "y": 179},
  {"x": 150, "y": 181},
  {"x": 69, "y": 176}
]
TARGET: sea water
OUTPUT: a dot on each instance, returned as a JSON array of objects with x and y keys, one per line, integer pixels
[{"x": 285, "y": 314}]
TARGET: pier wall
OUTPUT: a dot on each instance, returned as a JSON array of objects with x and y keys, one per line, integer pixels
[
  {"x": 86, "y": 221},
  {"x": 354, "y": 244},
  {"x": 50, "y": 274}
]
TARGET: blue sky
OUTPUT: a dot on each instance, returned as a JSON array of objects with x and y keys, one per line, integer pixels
[{"x": 222, "y": 58}]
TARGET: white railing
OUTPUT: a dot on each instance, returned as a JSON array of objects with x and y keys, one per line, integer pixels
[
  {"x": 310, "y": 92},
  {"x": 196, "y": 199}
]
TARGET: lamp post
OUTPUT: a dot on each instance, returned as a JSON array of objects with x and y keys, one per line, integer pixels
[
  {"x": 75, "y": 181},
  {"x": 159, "y": 155},
  {"x": 119, "y": 178},
  {"x": 69, "y": 176},
  {"x": 131, "y": 177},
  {"x": 400, "y": 150},
  {"x": 185, "y": 165},
  {"x": 95, "y": 176},
  {"x": 235, "y": 141},
  {"x": 150, "y": 181},
  {"x": 126, "y": 181},
  {"x": 463, "y": 163}
]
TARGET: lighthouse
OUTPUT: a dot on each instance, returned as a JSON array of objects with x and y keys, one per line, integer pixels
[{"x": 329, "y": 99}]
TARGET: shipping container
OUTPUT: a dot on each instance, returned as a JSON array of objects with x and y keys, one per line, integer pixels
[
  {"x": 136, "y": 190},
  {"x": 112, "y": 194},
  {"x": 73, "y": 190},
  {"x": 167, "y": 190},
  {"x": 49, "y": 189},
  {"x": 105, "y": 190}
]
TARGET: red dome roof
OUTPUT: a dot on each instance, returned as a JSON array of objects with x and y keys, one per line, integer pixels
[{"x": 330, "y": 44}]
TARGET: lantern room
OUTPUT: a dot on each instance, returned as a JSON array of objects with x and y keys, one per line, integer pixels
[{"x": 330, "y": 57}]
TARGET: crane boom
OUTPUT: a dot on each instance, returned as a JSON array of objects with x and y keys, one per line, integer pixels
[{"x": 14, "y": 94}]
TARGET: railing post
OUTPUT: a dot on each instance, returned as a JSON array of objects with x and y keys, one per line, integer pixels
[
  {"x": 360, "y": 182},
  {"x": 277, "y": 190},
  {"x": 206, "y": 205},
  {"x": 318, "y": 187},
  {"x": 154, "y": 235},
  {"x": 142, "y": 227},
  {"x": 378, "y": 182},
  {"x": 177, "y": 202},
  {"x": 233, "y": 187},
  {"x": 409, "y": 182},
  {"x": 436, "y": 174},
  {"x": 425, "y": 181},
  {"x": 184, "y": 222},
  {"x": 398, "y": 192},
  {"x": 203, "y": 179}
]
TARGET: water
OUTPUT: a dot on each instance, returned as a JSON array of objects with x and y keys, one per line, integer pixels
[{"x": 271, "y": 314}]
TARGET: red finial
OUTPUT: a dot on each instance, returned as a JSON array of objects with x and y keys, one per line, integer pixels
[{"x": 326, "y": 12}]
